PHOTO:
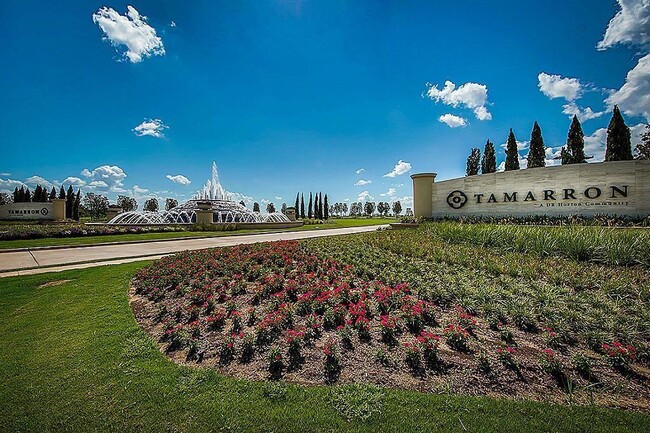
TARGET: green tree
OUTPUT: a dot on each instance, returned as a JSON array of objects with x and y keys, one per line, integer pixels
[
  {"x": 256, "y": 207},
  {"x": 310, "y": 213},
  {"x": 320, "y": 206},
  {"x": 297, "y": 205},
  {"x": 151, "y": 205},
  {"x": 270, "y": 208},
  {"x": 16, "y": 195},
  {"x": 4, "y": 198},
  {"x": 302, "y": 206},
  {"x": 619, "y": 145},
  {"x": 96, "y": 205},
  {"x": 38, "y": 193},
  {"x": 512, "y": 155},
  {"x": 28, "y": 196},
  {"x": 642, "y": 150},
  {"x": 75, "y": 205},
  {"x": 170, "y": 203},
  {"x": 69, "y": 202},
  {"x": 326, "y": 213},
  {"x": 52, "y": 194},
  {"x": 62, "y": 193},
  {"x": 397, "y": 207},
  {"x": 537, "y": 151},
  {"x": 489, "y": 161},
  {"x": 473, "y": 161},
  {"x": 127, "y": 203},
  {"x": 574, "y": 153},
  {"x": 283, "y": 209},
  {"x": 369, "y": 207},
  {"x": 241, "y": 202}
]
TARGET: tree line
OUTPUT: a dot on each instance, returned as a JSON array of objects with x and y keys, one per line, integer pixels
[
  {"x": 619, "y": 148},
  {"x": 41, "y": 195},
  {"x": 318, "y": 207}
]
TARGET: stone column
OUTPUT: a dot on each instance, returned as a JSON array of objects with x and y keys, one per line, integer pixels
[
  {"x": 422, "y": 194},
  {"x": 113, "y": 211},
  {"x": 204, "y": 213},
  {"x": 58, "y": 209}
]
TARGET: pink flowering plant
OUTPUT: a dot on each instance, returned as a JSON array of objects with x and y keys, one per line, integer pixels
[{"x": 619, "y": 355}]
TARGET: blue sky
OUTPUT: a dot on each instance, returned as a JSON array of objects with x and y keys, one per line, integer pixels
[{"x": 293, "y": 96}]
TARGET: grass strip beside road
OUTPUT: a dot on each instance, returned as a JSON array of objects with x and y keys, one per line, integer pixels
[{"x": 143, "y": 237}]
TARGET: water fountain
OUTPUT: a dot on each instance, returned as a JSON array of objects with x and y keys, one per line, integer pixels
[{"x": 212, "y": 196}]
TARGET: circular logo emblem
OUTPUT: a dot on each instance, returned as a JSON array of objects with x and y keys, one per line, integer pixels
[
  {"x": 44, "y": 211},
  {"x": 456, "y": 199}
]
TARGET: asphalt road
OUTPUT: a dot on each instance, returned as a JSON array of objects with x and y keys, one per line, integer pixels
[{"x": 60, "y": 259}]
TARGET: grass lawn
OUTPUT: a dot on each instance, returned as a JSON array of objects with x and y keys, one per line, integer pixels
[
  {"x": 74, "y": 359},
  {"x": 89, "y": 240}
]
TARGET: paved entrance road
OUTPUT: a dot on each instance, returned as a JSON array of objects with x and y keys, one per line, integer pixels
[{"x": 60, "y": 259}]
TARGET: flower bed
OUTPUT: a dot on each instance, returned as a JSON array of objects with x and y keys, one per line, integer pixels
[{"x": 291, "y": 310}]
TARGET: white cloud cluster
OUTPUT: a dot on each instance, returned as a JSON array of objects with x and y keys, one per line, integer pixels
[
  {"x": 364, "y": 196},
  {"x": 151, "y": 127},
  {"x": 469, "y": 95},
  {"x": 130, "y": 30},
  {"x": 556, "y": 86},
  {"x": 630, "y": 25},
  {"x": 583, "y": 114},
  {"x": 361, "y": 170},
  {"x": 38, "y": 180},
  {"x": 452, "y": 120},
  {"x": 390, "y": 193},
  {"x": 633, "y": 98},
  {"x": 8, "y": 185},
  {"x": 362, "y": 182},
  {"x": 400, "y": 168},
  {"x": 105, "y": 178},
  {"x": 179, "y": 179}
]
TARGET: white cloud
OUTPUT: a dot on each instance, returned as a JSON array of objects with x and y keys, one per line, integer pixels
[
  {"x": 172, "y": 24},
  {"x": 74, "y": 181},
  {"x": 265, "y": 201},
  {"x": 521, "y": 145},
  {"x": 235, "y": 196},
  {"x": 38, "y": 180},
  {"x": 554, "y": 86},
  {"x": 5, "y": 174},
  {"x": 583, "y": 114},
  {"x": 630, "y": 25},
  {"x": 452, "y": 121},
  {"x": 633, "y": 98},
  {"x": 151, "y": 127},
  {"x": 390, "y": 193},
  {"x": 361, "y": 170},
  {"x": 400, "y": 168},
  {"x": 278, "y": 198},
  {"x": 179, "y": 178},
  {"x": 362, "y": 182},
  {"x": 470, "y": 95},
  {"x": 364, "y": 195},
  {"x": 9, "y": 185},
  {"x": 406, "y": 201},
  {"x": 131, "y": 30},
  {"x": 107, "y": 177}
]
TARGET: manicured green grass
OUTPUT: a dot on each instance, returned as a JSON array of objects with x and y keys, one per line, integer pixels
[
  {"x": 90, "y": 240},
  {"x": 73, "y": 359}
]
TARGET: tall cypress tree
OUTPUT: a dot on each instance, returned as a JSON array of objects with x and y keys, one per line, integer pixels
[
  {"x": 619, "y": 145},
  {"x": 69, "y": 202},
  {"x": 52, "y": 194},
  {"x": 512, "y": 156},
  {"x": 62, "y": 193},
  {"x": 537, "y": 151},
  {"x": 37, "y": 193},
  {"x": 302, "y": 206},
  {"x": 16, "y": 195},
  {"x": 75, "y": 205},
  {"x": 575, "y": 144},
  {"x": 28, "y": 196},
  {"x": 326, "y": 210},
  {"x": 310, "y": 212},
  {"x": 21, "y": 195},
  {"x": 473, "y": 162},
  {"x": 297, "y": 209},
  {"x": 489, "y": 161},
  {"x": 320, "y": 205},
  {"x": 316, "y": 205}
]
